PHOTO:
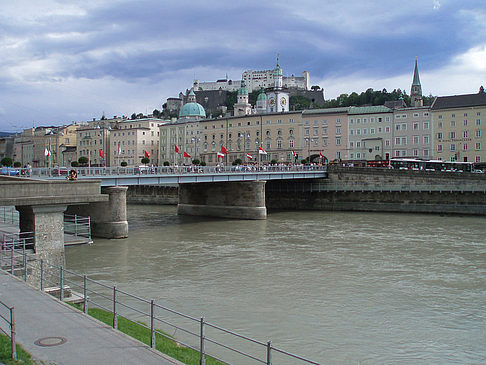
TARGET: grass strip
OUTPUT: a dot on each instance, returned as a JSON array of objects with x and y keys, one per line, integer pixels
[
  {"x": 23, "y": 357},
  {"x": 165, "y": 345}
]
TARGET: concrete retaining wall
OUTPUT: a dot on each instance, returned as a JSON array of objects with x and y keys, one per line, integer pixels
[{"x": 153, "y": 194}]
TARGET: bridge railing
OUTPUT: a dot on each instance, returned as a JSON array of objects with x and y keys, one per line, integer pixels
[
  {"x": 158, "y": 319},
  {"x": 170, "y": 170},
  {"x": 8, "y": 319}
]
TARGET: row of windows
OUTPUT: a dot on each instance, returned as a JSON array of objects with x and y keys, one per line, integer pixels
[
  {"x": 454, "y": 115},
  {"x": 365, "y": 120},
  {"x": 453, "y": 147},
  {"x": 324, "y": 122},
  {"x": 465, "y": 134},
  {"x": 362, "y": 144},
  {"x": 415, "y": 115},
  {"x": 372, "y": 131},
  {"x": 415, "y": 153},
  {"x": 453, "y": 123},
  {"x": 415, "y": 126}
]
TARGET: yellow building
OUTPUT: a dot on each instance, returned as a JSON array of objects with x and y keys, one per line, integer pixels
[{"x": 459, "y": 127}]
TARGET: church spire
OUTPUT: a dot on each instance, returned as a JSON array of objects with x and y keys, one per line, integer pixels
[{"x": 416, "y": 92}]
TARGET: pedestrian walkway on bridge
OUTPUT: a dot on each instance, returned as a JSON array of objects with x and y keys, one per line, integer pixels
[{"x": 56, "y": 333}]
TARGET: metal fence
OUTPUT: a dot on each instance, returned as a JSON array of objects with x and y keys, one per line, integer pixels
[
  {"x": 170, "y": 170},
  {"x": 8, "y": 215},
  {"x": 77, "y": 225},
  {"x": 8, "y": 318},
  {"x": 206, "y": 338}
]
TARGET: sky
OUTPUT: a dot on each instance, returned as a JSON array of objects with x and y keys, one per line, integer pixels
[{"x": 65, "y": 61}]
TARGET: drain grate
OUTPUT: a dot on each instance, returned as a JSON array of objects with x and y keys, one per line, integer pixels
[{"x": 50, "y": 341}]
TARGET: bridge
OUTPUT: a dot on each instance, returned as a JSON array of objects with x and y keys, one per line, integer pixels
[{"x": 217, "y": 191}]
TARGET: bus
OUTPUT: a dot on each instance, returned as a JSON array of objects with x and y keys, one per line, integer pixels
[{"x": 431, "y": 165}]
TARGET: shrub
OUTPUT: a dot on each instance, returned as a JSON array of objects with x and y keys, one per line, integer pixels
[
  {"x": 6, "y": 161},
  {"x": 74, "y": 164},
  {"x": 166, "y": 163},
  {"x": 123, "y": 163},
  {"x": 17, "y": 164},
  {"x": 145, "y": 160}
]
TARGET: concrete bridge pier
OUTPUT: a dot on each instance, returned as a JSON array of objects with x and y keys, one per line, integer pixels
[
  {"x": 108, "y": 219},
  {"x": 239, "y": 200},
  {"x": 47, "y": 224}
]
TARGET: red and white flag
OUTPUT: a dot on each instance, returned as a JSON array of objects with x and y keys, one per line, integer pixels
[
  {"x": 146, "y": 154},
  {"x": 47, "y": 152},
  {"x": 224, "y": 150},
  {"x": 320, "y": 154},
  {"x": 176, "y": 149},
  {"x": 119, "y": 148},
  {"x": 293, "y": 153},
  {"x": 261, "y": 151},
  {"x": 250, "y": 157},
  {"x": 101, "y": 153},
  {"x": 220, "y": 154},
  {"x": 186, "y": 154}
]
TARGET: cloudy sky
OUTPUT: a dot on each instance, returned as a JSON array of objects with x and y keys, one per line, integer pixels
[{"x": 66, "y": 61}]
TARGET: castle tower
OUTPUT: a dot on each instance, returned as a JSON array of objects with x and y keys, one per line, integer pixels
[{"x": 416, "y": 92}]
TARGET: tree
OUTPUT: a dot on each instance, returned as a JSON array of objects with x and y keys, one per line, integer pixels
[
  {"x": 145, "y": 160},
  {"x": 6, "y": 161},
  {"x": 315, "y": 88},
  {"x": 203, "y": 163},
  {"x": 238, "y": 161},
  {"x": 123, "y": 164},
  {"x": 83, "y": 160},
  {"x": 139, "y": 115},
  {"x": 166, "y": 163},
  {"x": 273, "y": 162},
  {"x": 74, "y": 164},
  {"x": 156, "y": 113},
  {"x": 17, "y": 164},
  {"x": 196, "y": 161},
  {"x": 133, "y": 116}
]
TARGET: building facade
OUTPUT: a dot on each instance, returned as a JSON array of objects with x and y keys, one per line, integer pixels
[
  {"x": 459, "y": 130},
  {"x": 412, "y": 133}
]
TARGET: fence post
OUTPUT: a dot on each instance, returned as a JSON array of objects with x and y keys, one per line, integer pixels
[
  {"x": 12, "y": 334},
  {"x": 85, "y": 293},
  {"x": 24, "y": 261},
  {"x": 202, "y": 349},
  {"x": 42, "y": 275},
  {"x": 61, "y": 284},
  {"x": 152, "y": 328},
  {"x": 12, "y": 259},
  {"x": 269, "y": 353},
  {"x": 115, "y": 319}
]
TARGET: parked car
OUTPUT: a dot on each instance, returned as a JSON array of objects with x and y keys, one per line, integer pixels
[{"x": 9, "y": 171}]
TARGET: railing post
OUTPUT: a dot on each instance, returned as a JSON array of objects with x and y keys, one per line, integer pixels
[
  {"x": 202, "y": 349},
  {"x": 12, "y": 334},
  {"x": 12, "y": 259},
  {"x": 269, "y": 353},
  {"x": 61, "y": 284},
  {"x": 85, "y": 293},
  {"x": 152, "y": 328},
  {"x": 24, "y": 261},
  {"x": 42, "y": 275},
  {"x": 115, "y": 317}
]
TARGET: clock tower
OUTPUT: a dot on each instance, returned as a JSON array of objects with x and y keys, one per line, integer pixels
[{"x": 277, "y": 97}]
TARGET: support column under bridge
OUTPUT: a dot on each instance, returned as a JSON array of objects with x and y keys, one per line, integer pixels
[{"x": 238, "y": 200}]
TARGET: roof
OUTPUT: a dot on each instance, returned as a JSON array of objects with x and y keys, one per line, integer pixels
[
  {"x": 192, "y": 110},
  {"x": 369, "y": 109},
  {"x": 459, "y": 101},
  {"x": 395, "y": 104},
  {"x": 416, "y": 78},
  {"x": 326, "y": 111}
]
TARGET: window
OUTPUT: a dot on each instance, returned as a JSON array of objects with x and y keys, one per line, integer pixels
[
  {"x": 478, "y": 121},
  {"x": 324, "y": 130},
  {"x": 439, "y": 148},
  {"x": 338, "y": 130},
  {"x": 465, "y": 122},
  {"x": 439, "y": 125},
  {"x": 415, "y": 126},
  {"x": 279, "y": 121},
  {"x": 426, "y": 152},
  {"x": 387, "y": 129},
  {"x": 316, "y": 131},
  {"x": 478, "y": 146},
  {"x": 439, "y": 135},
  {"x": 416, "y": 139},
  {"x": 478, "y": 133},
  {"x": 358, "y": 121},
  {"x": 291, "y": 120},
  {"x": 453, "y": 135},
  {"x": 351, "y": 144},
  {"x": 358, "y": 131},
  {"x": 351, "y": 131},
  {"x": 338, "y": 141},
  {"x": 372, "y": 131},
  {"x": 397, "y": 140},
  {"x": 453, "y": 123},
  {"x": 324, "y": 141},
  {"x": 466, "y": 134},
  {"x": 426, "y": 139},
  {"x": 291, "y": 143},
  {"x": 387, "y": 142},
  {"x": 426, "y": 125},
  {"x": 453, "y": 115},
  {"x": 453, "y": 146},
  {"x": 387, "y": 119},
  {"x": 415, "y": 152},
  {"x": 365, "y": 130},
  {"x": 465, "y": 147},
  {"x": 397, "y": 127},
  {"x": 358, "y": 144},
  {"x": 404, "y": 127},
  {"x": 465, "y": 114}
]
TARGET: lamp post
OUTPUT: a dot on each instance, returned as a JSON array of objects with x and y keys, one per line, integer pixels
[
  {"x": 195, "y": 140},
  {"x": 246, "y": 136},
  {"x": 308, "y": 142}
]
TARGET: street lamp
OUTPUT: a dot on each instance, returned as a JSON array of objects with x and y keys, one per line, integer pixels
[
  {"x": 195, "y": 140},
  {"x": 308, "y": 142},
  {"x": 245, "y": 137}
]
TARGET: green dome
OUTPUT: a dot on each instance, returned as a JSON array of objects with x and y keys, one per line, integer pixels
[
  {"x": 190, "y": 110},
  {"x": 262, "y": 95},
  {"x": 243, "y": 90},
  {"x": 277, "y": 71}
]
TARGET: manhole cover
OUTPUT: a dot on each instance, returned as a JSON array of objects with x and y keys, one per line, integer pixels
[{"x": 50, "y": 341}]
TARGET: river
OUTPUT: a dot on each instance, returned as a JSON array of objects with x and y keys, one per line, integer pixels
[{"x": 335, "y": 287}]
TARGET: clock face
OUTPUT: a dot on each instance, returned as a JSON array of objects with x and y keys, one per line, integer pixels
[
  {"x": 272, "y": 101},
  {"x": 283, "y": 101}
]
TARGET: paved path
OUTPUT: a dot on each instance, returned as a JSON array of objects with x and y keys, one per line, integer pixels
[{"x": 39, "y": 315}]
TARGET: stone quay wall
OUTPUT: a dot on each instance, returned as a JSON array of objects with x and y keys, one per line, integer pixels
[{"x": 383, "y": 190}]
